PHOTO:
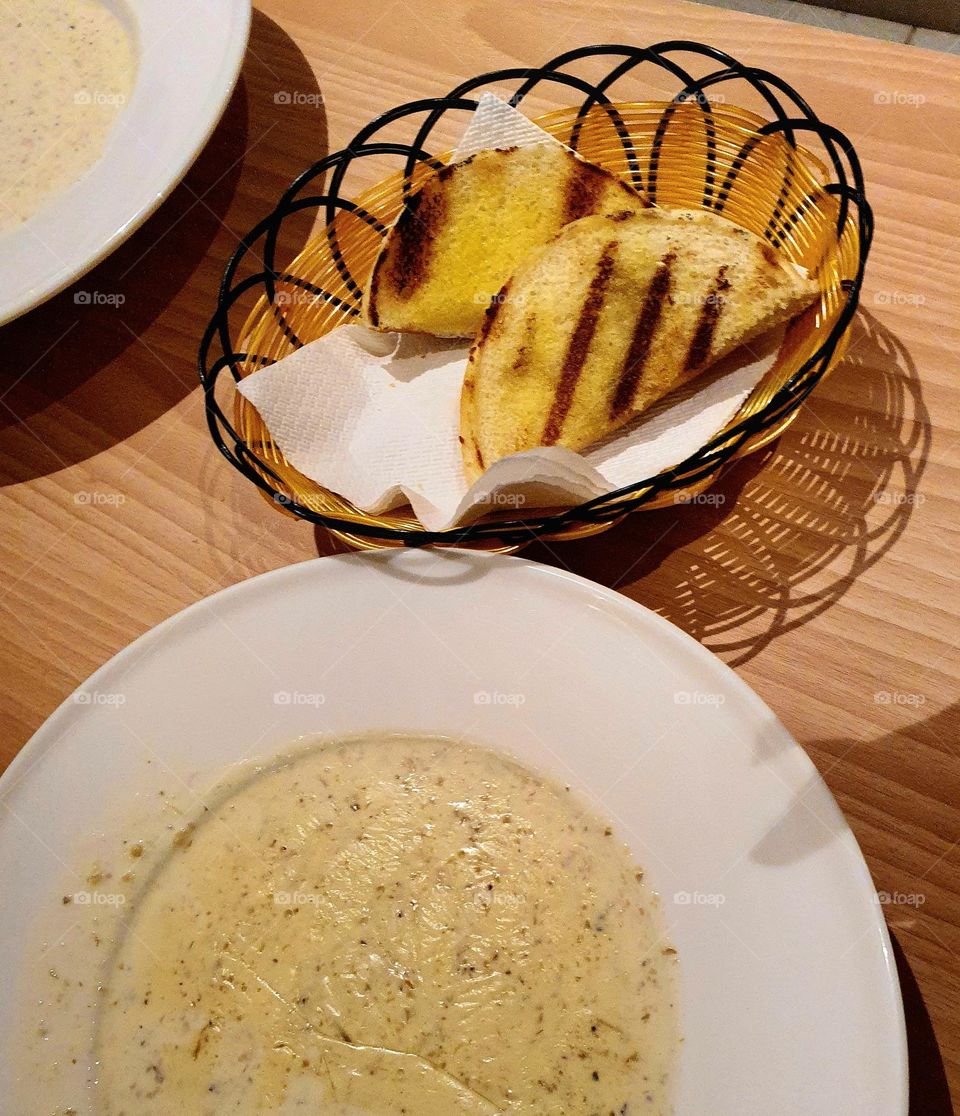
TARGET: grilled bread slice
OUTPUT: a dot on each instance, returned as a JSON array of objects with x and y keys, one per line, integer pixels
[
  {"x": 461, "y": 236},
  {"x": 609, "y": 317}
]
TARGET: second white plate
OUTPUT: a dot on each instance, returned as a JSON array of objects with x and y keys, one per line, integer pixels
[{"x": 789, "y": 999}]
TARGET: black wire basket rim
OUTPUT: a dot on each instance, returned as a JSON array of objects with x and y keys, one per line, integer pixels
[{"x": 605, "y": 509}]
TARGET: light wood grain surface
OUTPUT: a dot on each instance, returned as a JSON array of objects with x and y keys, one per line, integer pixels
[{"x": 826, "y": 574}]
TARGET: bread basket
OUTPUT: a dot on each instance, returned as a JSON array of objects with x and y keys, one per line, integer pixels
[{"x": 783, "y": 174}]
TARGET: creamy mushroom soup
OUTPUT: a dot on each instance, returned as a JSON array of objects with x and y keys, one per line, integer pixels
[
  {"x": 386, "y": 925},
  {"x": 66, "y": 70}
]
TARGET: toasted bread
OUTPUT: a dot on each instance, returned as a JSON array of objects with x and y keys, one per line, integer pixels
[
  {"x": 462, "y": 234},
  {"x": 608, "y": 318}
]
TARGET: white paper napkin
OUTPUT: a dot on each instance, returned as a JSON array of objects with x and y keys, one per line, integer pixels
[
  {"x": 495, "y": 123},
  {"x": 375, "y": 416}
]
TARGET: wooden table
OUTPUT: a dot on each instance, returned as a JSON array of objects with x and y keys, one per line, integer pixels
[{"x": 827, "y": 576}]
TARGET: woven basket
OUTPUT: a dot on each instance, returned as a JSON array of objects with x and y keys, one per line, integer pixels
[{"x": 697, "y": 151}]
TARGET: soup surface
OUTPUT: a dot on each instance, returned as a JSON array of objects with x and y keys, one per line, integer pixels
[
  {"x": 66, "y": 70},
  {"x": 391, "y": 925}
]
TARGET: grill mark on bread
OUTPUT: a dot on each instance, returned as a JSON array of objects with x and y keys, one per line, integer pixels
[
  {"x": 579, "y": 345},
  {"x": 416, "y": 233},
  {"x": 490, "y": 316},
  {"x": 522, "y": 357},
  {"x": 707, "y": 324},
  {"x": 582, "y": 192},
  {"x": 644, "y": 331}
]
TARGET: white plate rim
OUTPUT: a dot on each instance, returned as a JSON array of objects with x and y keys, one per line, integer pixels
[{"x": 47, "y": 736}]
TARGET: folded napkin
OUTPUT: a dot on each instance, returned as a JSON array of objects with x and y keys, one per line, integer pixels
[{"x": 375, "y": 416}]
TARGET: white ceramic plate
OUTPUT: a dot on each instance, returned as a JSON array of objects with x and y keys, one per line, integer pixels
[
  {"x": 789, "y": 999},
  {"x": 188, "y": 56}
]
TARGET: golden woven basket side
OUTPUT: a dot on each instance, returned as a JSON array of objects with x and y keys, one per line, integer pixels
[{"x": 761, "y": 181}]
